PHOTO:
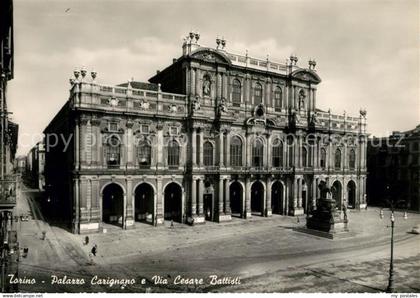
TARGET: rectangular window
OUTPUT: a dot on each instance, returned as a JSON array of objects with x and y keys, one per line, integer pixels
[
  {"x": 145, "y": 128},
  {"x": 174, "y": 130},
  {"x": 113, "y": 126}
]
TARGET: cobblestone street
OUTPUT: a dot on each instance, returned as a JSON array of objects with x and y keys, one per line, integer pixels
[{"x": 267, "y": 254}]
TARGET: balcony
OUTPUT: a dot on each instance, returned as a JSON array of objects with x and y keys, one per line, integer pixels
[{"x": 8, "y": 192}]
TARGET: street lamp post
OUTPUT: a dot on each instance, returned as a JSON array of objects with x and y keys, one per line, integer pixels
[{"x": 390, "y": 288}]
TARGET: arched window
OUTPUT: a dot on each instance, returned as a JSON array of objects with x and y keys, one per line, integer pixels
[
  {"x": 173, "y": 154},
  {"x": 236, "y": 93},
  {"x": 337, "y": 159},
  {"x": 257, "y": 153},
  {"x": 277, "y": 153},
  {"x": 144, "y": 153},
  {"x": 208, "y": 154},
  {"x": 113, "y": 151},
  {"x": 236, "y": 152},
  {"x": 258, "y": 93},
  {"x": 352, "y": 159},
  {"x": 304, "y": 157},
  {"x": 323, "y": 160},
  {"x": 278, "y": 99}
]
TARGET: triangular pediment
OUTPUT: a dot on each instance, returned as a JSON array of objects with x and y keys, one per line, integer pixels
[
  {"x": 306, "y": 75},
  {"x": 210, "y": 55}
]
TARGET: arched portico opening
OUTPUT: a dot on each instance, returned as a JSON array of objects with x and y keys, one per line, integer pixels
[
  {"x": 236, "y": 198},
  {"x": 336, "y": 190},
  {"x": 173, "y": 202},
  {"x": 144, "y": 203},
  {"x": 257, "y": 198},
  {"x": 351, "y": 194},
  {"x": 113, "y": 204},
  {"x": 277, "y": 199}
]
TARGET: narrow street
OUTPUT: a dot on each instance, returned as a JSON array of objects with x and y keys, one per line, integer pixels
[{"x": 267, "y": 254}]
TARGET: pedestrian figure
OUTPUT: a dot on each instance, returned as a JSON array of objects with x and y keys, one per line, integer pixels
[
  {"x": 172, "y": 223},
  {"x": 86, "y": 240},
  {"x": 94, "y": 250}
]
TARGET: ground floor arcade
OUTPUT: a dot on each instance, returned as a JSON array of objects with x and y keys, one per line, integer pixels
[{"x": 196, "y": 199}]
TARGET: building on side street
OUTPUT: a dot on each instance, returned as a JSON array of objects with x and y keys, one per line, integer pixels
[
  {"x": 394, "y": 169},
  {"x": 35, "y": 163},
  {"x": 214, "y": 135}
]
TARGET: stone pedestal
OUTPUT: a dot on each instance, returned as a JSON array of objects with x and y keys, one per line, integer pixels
[
  {"x": 224, "y": 217},
  {"x": 327, "y": 219},
  {"x": 196, "y": 219}
]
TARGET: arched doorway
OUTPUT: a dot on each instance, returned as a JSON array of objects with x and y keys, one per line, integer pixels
[
  {"x": 277, "y": 198},
  {"x": 173, "y": 202},
  {"x": 336, "y": 193},
  {"x": 351, "y": 193},
  {"x": 236, "y": 195},
  {"x": 257, "y": 198},
  {"x": 113, "y": 204},
  {"x": 144, "y": 203}
]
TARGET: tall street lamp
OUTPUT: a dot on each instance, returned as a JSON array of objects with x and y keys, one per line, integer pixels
[{"x": 390, "y": 288}]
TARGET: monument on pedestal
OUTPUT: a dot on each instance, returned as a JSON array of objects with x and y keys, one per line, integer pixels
[{"x": 327, "y": 220}]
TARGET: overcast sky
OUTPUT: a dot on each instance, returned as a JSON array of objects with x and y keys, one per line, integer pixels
[{"x": 366, "y": 51}]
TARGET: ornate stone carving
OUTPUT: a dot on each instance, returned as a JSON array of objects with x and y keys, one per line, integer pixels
[
  {"x": 196, "y": 104},
  {"x": 206, "y": 85},
  {"x": 144, "y": 105},
  {"x": 173, "y": 108},
  {"x": 223, "y": 106},
  {"x": 113, "y": 101},
  {"x": 302, "y": 97}
]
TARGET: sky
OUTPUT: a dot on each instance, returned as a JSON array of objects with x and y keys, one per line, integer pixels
[{"x": 367, "y": 51}]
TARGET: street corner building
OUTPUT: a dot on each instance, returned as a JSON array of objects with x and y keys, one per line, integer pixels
[{"x": 213, "y": 136}]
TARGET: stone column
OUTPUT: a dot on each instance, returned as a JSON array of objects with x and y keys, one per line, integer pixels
[
  {"x": 268, "y": 152},
  {"x": 159, "y": 199},
  {"x": 247, "y": 213},
  {"x": 220, "y": 199},
  {"x": 200, "y": 197},
  {"x": 314, "y": 192},
  {"x": 193, "y": 83},
  {"x": 248, "y": 150},
  {"x": 227, "y": 152},
  {"x": 219, "y": 85},
  {"x": 295, "y": 193},
  {"x": 130, "y": 213},
  {"x": 83, "y": 141},
  {"x": 268, "y": 211},
  {"x": 88, "y": 140},
  {"x": 295, "y": 103},
  {"x": 130, "y": 144},
  {"x": 300, "y": 188},
  {"x": 194, "y": 147},
  {"x": 193, "y": 197},
  {"x": 296, "y": 154},
  {"x": 201, "y": 147},
  {"x": 197, "y": 82},
  {"x": 160, "y": 145},
  {"x": 221, "y": 148},
  {"x": 76, "y": 198},
  {"x": 227, "y": 197},
  {"x": 77, "y": 144},
  {"x": 100, "y": 155},
  {"x": 225, "y": 87}
]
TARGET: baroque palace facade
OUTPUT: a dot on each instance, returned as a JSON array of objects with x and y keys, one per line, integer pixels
[{"x": 212, "y": 136}]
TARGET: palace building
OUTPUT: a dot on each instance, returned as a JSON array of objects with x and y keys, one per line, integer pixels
[{"x": 214, "y": 135}]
